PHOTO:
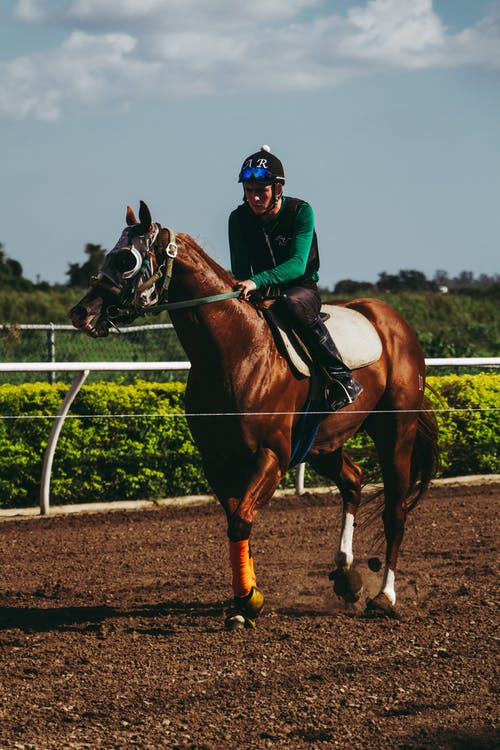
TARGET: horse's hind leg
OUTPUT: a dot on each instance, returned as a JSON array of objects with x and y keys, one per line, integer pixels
[
  {"x": 347, "y": 476},
  {"x": 394, "y": 438}
]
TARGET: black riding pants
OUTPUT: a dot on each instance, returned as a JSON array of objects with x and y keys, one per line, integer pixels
[{"x": 302, "y": 303}]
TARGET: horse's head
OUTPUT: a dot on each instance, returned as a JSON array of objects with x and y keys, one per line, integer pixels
[{"x": 133, "y": 277}]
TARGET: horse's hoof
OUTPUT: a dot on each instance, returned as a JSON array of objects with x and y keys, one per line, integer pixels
[
  {"x": 244, "y": 611},
  {"x": 232, "y": 623},
  {"x": 347, "y": 584},
  {"x": 380, "y": 606}
]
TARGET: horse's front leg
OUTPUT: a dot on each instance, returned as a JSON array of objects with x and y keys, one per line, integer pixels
[{"x": 248, "y": 600}]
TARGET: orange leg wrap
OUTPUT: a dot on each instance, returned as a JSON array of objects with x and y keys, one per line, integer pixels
[{"x": 242, "y": 567}]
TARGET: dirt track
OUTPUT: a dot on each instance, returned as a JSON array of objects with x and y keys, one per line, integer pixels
[{"x": 110, "y": 632}]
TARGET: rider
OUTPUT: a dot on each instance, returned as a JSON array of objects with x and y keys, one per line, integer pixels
[{"x": 273, "y": 244}]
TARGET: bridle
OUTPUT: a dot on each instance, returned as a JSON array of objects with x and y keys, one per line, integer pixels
[
  {"x": 164, "y": 271},
  {"x": 163, "y": 246}
]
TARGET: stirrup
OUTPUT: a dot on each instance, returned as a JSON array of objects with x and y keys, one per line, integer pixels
[{"x": 338, "y": 394}]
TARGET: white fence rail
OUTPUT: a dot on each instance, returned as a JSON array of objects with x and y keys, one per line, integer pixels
[
  {"x": 53, "y": 332},
  {"x": 84, "y": 368}
]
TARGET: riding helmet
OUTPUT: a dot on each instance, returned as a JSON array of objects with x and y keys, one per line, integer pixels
[{"x": 262, "y": 166}]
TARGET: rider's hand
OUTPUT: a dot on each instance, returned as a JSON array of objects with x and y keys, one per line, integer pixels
[{"x": 246, "y": 287}]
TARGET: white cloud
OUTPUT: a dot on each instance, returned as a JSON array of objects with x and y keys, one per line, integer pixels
[
  {"x": 411, "y": 35},
  {"x": 168, "y": 13},
  {"x": 191, "y": 47},
  {"x": 394, "y": 33},
  {"x": 85, "y": 67},
  {"x": 29, "y": 10},
  {"x": 95, "y": 9},
  {"x": 19, "y": 95},
  {"x": 479, "y": 45}
]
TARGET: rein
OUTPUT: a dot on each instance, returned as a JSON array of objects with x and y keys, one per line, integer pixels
[{"x": 191, "y": 302}]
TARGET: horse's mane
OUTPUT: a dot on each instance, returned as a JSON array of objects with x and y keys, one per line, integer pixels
[{"x": 186, "y": 241}]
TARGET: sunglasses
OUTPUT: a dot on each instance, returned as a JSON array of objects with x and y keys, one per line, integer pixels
[{"x": 256, "y": 173}]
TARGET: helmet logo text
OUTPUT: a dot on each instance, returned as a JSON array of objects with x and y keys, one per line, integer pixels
[{"x": 262, "y": 163}]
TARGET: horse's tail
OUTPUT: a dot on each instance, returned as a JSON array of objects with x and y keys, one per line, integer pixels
[{"x": 425, "y": 456}]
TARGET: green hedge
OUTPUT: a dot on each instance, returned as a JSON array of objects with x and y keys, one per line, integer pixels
[
  {"x": 469, "y": 437},
  {"x": 103, "y": 455},
  {"x": 467, "y": 423},
  {"x": 99, "y": 456}
]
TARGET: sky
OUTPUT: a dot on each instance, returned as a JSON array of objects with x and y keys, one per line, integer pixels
[{"x": 385, "y": 114}]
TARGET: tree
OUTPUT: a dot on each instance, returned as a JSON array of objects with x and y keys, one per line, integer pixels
[
  {"x": 79, "y": 275},
  {"x": 416, "y": 281},
  {"x": 441, "y": 277},
  {"x": 348, "y": 286},
  {"x": 11, "y": 272},
  {"x": 465, "y": 279},
  {"x": 388, "y": 282},
  {"x": 406, "y": 280}
]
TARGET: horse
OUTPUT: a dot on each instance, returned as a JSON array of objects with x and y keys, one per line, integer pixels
[{"x": 243, "y": 401}]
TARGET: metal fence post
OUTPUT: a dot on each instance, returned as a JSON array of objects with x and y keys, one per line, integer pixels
[
  {"x": 299, "y": 479},
  {"x": 51, "y": 350},
  {"x": 57, "y": 426}
]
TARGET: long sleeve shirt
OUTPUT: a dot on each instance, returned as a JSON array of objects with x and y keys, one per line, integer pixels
[{"x": 289, "y": 246}]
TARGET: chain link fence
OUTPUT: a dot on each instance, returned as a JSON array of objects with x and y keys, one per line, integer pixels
[{"x": 63, "y": 343}]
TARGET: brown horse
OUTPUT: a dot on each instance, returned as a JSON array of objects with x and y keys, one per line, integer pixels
[{"x": 243, "y": 400}]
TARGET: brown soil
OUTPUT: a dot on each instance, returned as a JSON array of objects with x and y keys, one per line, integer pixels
[{"x": 111, "y": 632}]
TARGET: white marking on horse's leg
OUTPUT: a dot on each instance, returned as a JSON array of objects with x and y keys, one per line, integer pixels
[
  {"x": 344, "y": 556},
  {"x": 388, "y": 585}
]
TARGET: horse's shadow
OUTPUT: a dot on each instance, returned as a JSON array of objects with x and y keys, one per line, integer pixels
[{"x": 99, "y": 618}]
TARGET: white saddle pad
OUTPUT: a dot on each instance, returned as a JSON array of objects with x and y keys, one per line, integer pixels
[{"x": 355, "y": 337}]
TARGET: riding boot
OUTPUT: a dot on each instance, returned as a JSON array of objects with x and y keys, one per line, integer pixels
[{"x": 342, "y": 388}]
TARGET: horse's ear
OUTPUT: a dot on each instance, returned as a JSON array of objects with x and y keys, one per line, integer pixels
[
  {"x": 131, "y": 220},
  {"x": 145, "y": 216}
]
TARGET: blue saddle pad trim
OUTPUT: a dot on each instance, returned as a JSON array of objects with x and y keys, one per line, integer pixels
[{"x": 304, "y": 433}]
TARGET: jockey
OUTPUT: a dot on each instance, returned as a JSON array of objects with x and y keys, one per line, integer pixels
[{"x": 273, "y": 245}]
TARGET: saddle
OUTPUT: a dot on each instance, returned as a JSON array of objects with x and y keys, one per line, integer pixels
[{"x": 355, "y": 337}]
